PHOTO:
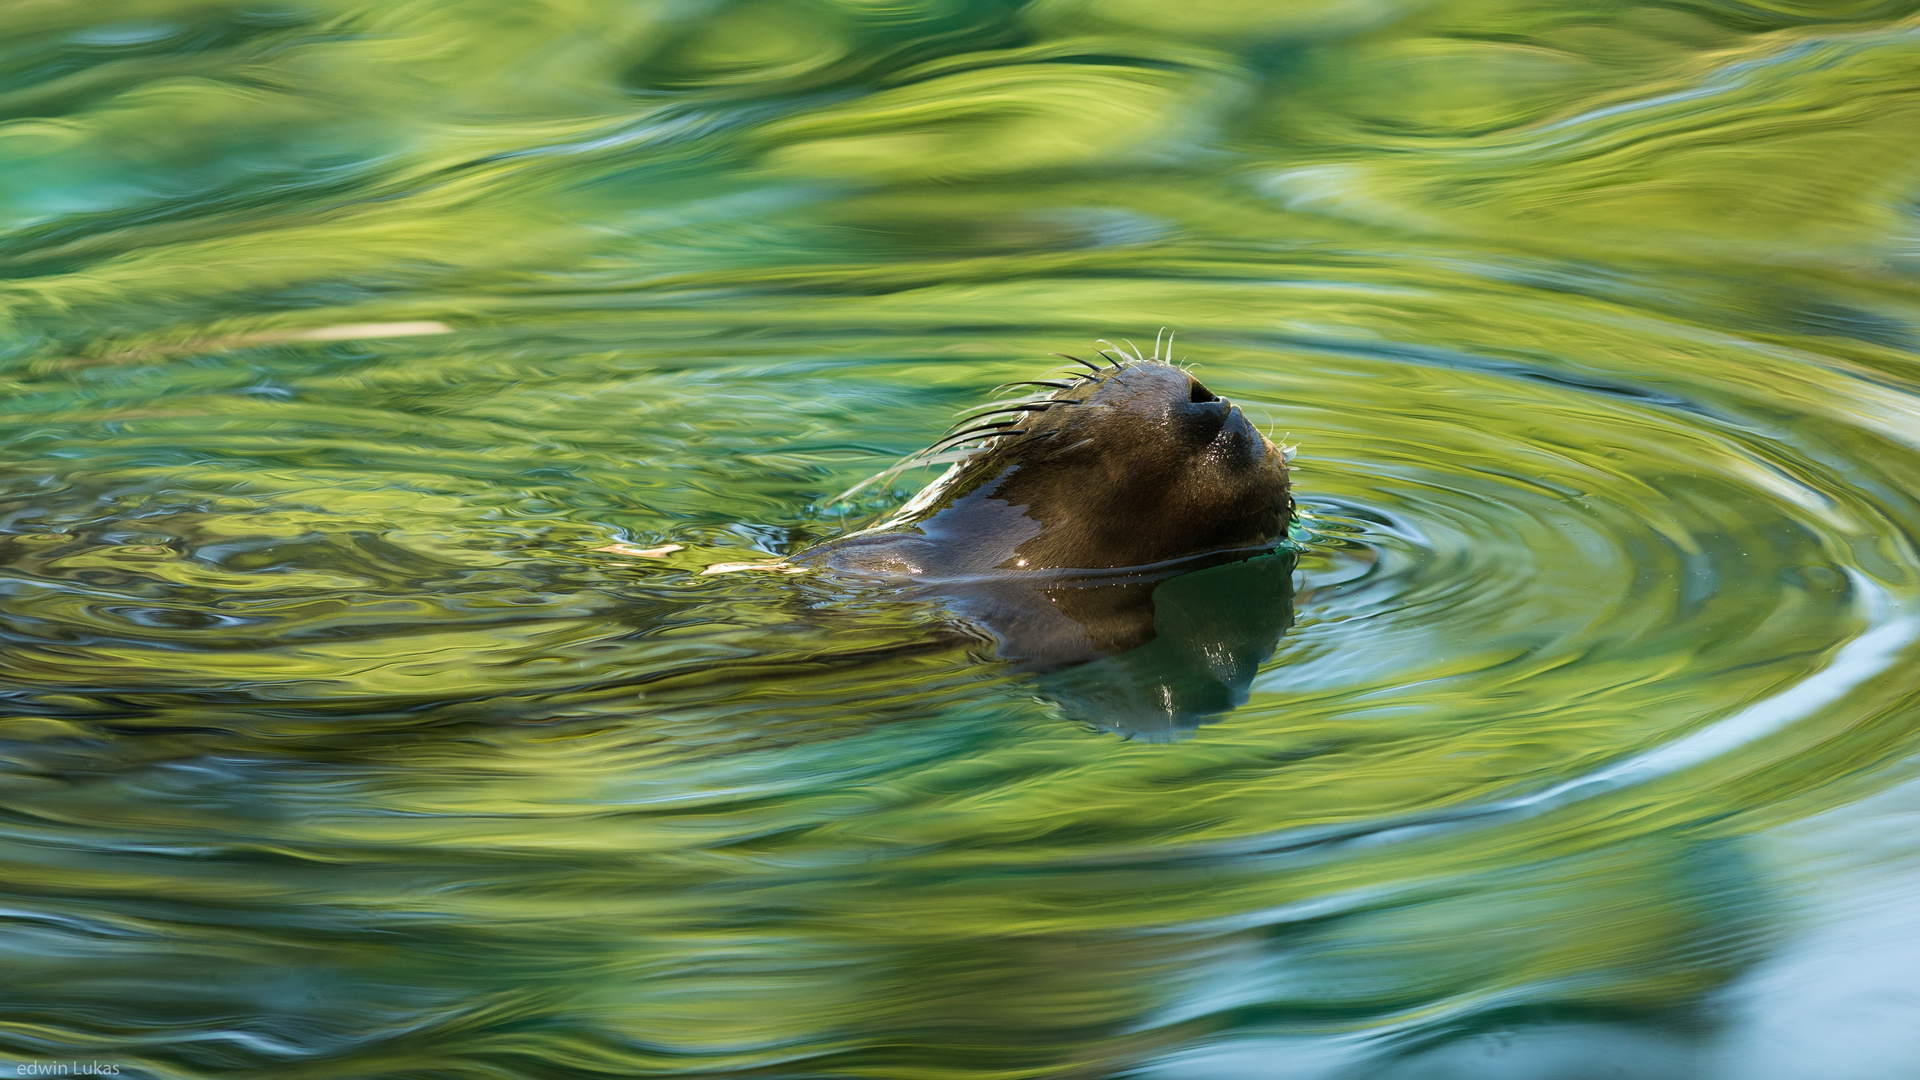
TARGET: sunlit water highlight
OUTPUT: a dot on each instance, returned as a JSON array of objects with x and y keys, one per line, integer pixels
[{"x": 341, "y": 341}]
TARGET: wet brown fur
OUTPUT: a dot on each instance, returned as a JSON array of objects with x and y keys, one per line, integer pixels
[{"x": 1129, "y": 464}]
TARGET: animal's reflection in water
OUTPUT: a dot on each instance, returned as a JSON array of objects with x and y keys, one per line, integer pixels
[
  {"x": 1149, "y": 658},
  {"x": 1119, "y": 536}
]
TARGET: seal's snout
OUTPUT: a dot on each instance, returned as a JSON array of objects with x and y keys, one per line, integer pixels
[
  {"x": 1205, "y": 422},
  {"x": 1239, "y": 432},
  {"x": 1214, "y": 427},
  {"x": 1201, "y": 417},
  {"x": 1240, "y": 446}
]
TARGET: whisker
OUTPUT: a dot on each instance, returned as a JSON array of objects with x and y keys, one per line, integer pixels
[
  {"x": 1080, "y": 378},
  {"x": 998, "y": 427},
  {"x": 885, "y": 474},
  {"x": 1027, "y": 408},
  {"x": 1011, "y": 415},
  {"x": 1135, "y": 357},
  {"x": 1033, "y": 382},
  {"x": 1006, "y": 403},
  {"x": 949, "y": 444},
  {"x": 983, "y": 427},
  {"x": 919, "y": 459}
]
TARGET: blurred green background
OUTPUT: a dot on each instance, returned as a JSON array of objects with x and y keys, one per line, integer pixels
[{"x": 337, "y": 338}]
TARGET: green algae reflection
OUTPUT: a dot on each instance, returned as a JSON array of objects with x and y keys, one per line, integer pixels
[{"x": 339, "y": 340}]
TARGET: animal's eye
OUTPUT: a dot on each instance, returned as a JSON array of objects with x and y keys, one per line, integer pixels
[{"x": 1197, "y": 393}]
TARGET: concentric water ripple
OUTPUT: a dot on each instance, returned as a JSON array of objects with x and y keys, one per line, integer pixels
[
  {"x": 1531, "y": 602},
  {"x": 352, "y": 359}
]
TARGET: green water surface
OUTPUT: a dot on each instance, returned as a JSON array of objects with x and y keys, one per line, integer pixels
[{"x": 337, "y": 339}]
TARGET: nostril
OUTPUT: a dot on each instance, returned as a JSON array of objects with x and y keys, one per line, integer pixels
[{"x": 1197, "y": 393}]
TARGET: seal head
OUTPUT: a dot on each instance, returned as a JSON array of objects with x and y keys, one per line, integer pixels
[
  {"x": 1133, "y": 465},
  {"x": 1069, "y": 536}
]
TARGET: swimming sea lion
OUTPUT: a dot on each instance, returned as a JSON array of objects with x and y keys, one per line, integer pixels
[
  {"x": 1053, "y": 535},
  {"x": 1128, "y": 466}
]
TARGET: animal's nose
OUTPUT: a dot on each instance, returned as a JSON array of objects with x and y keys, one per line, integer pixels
[{"x": 1204, "y": 420}]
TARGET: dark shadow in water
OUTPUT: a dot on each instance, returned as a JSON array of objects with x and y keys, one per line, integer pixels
[{"x": 1148, "y": 655}]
